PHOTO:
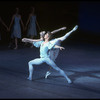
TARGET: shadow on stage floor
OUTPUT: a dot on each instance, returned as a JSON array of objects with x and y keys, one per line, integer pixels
[{"x": 81, "y": 62}]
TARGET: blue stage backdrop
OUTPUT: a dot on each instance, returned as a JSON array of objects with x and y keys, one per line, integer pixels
[{"x": 89, "y": 16}]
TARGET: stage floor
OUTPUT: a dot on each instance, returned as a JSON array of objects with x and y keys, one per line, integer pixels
[{"x": 80, "y": 61}]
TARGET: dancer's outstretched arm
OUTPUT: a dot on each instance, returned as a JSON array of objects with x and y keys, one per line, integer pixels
[
  {"x": 36, "y": 40},
  {"x": 3, "y": 23},
  {"x": 52, "y": 32},
  {"x": 30, "y": 40},
  {"x": 61, "y": 48},
  {"x": 67, "y": 34},
  {"x": 55, "y": 31}
]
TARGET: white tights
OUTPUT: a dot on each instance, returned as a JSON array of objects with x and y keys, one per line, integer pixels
[{"x": 48, "y": 61}]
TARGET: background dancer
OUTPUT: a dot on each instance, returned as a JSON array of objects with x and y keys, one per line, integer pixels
[
  {"x": 31, "y": 24},
  {"x": 16, "y": 31}
]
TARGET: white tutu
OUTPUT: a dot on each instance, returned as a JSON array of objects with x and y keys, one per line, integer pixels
[{"x": 54, "y": 52}]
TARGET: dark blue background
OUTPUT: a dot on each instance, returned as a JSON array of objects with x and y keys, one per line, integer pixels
[
  {"x": 89, "y": 16},
  {"x": 52, "y": 15}
]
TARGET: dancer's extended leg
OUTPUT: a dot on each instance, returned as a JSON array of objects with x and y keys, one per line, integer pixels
[
  {"x": 67, "y": 34},
  {"x": 54, "y": 66}
]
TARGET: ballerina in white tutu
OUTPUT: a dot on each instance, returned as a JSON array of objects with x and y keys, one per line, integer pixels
[{"x": 57, "y": 41}]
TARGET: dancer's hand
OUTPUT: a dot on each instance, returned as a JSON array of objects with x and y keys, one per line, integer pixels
[
  {"x": 75, "y": 28},
  {"x": 62, "y": 48},
  {"x": 24, "y": 40},
  {"x": 63, "y": 28}
]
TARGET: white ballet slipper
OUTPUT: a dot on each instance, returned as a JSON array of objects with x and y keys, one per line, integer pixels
[
  {"x": 47, "y": 74},
  {"x": 69, "y": 81},
  {"x": 29, "y": 78},
  {"x": 75, "y": 28}
]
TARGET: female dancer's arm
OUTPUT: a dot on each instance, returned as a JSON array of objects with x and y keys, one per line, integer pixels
[
  {"x": 59, "y": 47},
  {"x": 38, "y": 24},
  {"x": 55, "y": 31},
  {"x": 28, "y": 21},
  {"x": 3, "y": 23},
  {"x": 11, "y": 22},
  {"x": 22, "y": 22},
  {"x": 30, "y": 40}
]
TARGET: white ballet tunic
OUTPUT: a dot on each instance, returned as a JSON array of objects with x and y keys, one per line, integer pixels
[{"x": 44, "y": 49}]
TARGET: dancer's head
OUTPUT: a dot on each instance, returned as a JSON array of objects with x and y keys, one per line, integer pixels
[
  {"x": 17, "y": 10},
  {"x": 32, "y": 10},
  {"x": 42, "y": 34},
  {"x": 48, "y": 35}
]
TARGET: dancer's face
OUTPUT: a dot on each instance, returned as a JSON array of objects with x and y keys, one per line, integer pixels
[
  {"x": 17, "y": 10},
  {"x": 46, "y": 36},
  {"x": 32, "y": 10}
]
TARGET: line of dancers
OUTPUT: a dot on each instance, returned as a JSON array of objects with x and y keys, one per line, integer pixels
[{"x": 15, "y": 27}]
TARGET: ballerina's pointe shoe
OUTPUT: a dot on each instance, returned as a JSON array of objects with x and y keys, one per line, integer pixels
[
  {"x": 69, "y": 81},
  {"x": 29, "y": 78},
  {"x": 47, "y": 74},
  {"x": 75, "y": 28}
]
